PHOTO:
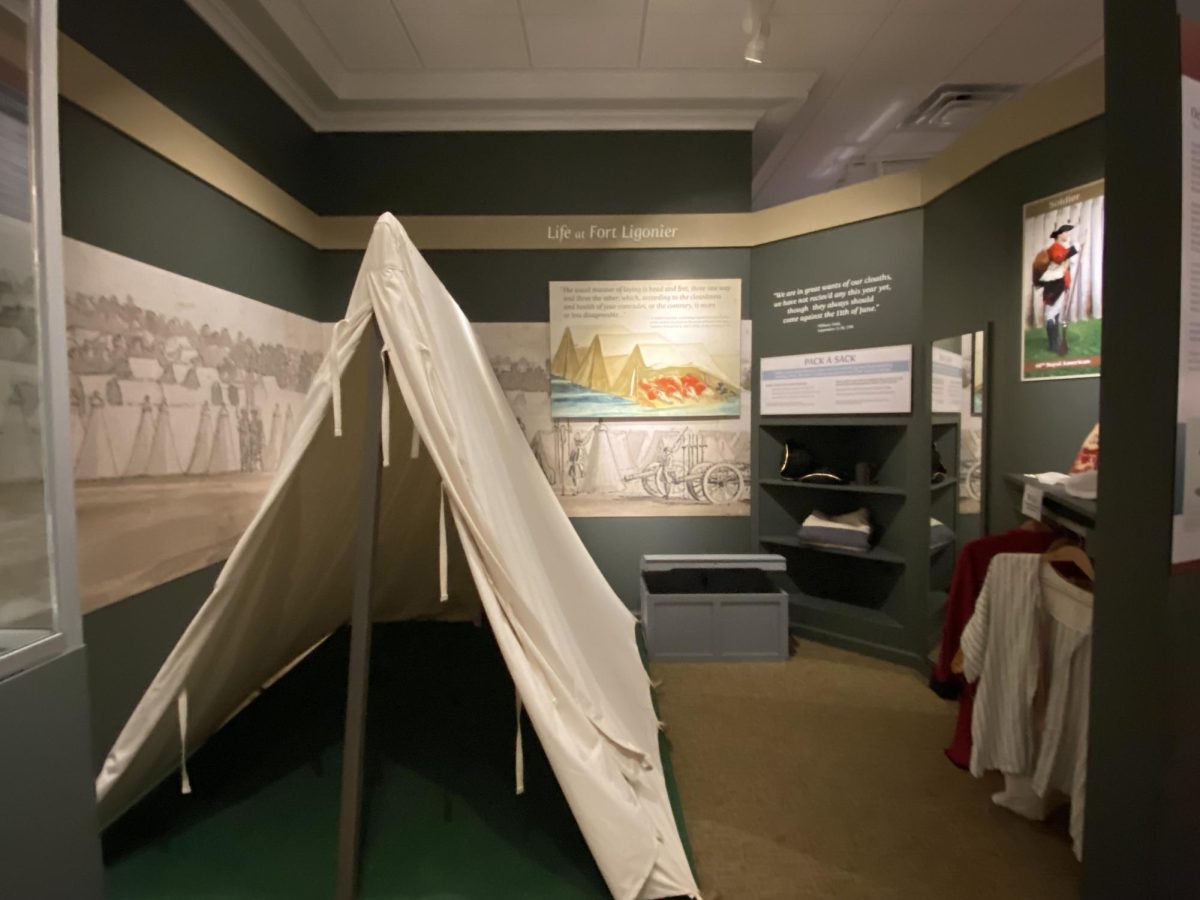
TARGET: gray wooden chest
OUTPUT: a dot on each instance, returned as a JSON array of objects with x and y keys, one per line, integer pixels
[{"x": 714, "y": 606}]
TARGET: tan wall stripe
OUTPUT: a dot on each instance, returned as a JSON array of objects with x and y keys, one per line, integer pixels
[{"x": 1038, "y": 113}]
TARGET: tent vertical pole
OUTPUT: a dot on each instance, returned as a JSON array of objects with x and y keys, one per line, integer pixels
[{"x": 349, "y": 832}]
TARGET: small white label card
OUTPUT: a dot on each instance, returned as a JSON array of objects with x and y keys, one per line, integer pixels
[{"x": 1031, "y": 502}]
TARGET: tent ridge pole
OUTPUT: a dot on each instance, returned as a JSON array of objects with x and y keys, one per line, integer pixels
[{"x": 349, "y": 830}]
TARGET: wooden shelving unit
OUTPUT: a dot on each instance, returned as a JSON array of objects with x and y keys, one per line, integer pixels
[
  {"x": 875, "y": 554},
  {"x": 852, "y": 599},
  {"x": 1073, "y": 513},
  {"x": 843, "y": 488}
]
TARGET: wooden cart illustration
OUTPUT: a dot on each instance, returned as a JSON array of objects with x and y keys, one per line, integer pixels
[{"x": 681, "y": 467}]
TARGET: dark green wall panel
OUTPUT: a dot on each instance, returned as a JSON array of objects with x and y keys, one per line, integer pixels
[
  {"x": 973, "y": 273},
  {"x": 48, "y": 839},
  {"x": 1143, "y": 824},
  {"x": 169, "y": 52},
  {"x": 617, "y": 545},
  {"x": 128, "y": 642},
  {"x": 464, "y": 173},
  {"x": 120, "y": 196},
  {"x": 891, "y": 244}
]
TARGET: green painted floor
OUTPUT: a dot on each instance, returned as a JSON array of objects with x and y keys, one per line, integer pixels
[{"x": 442, "y": 819}]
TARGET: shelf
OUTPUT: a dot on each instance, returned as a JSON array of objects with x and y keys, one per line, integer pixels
[
  {"x": 949, "y": 482},
  {"x": 934, "y": 551},
  {"x": 833, "y": 421},
  {"x": 875, "y": 554},
  {"x": 841, "y": 608},
  {"x": 845, "y": 488},
  {"x": 945, "y": 420},
  {"x": 1058, "y": 503}
]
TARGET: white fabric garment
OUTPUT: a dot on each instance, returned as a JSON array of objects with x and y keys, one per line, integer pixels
[
  {"x": 567, "y": 639},
  {"x": 1028, "y": 645},
  {"x": 1067, "y": 655},
  {"x": 999, "y": 645}
]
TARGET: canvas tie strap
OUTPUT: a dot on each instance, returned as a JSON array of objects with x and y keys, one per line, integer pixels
[
  {"x": 520, "y": 760},
  {"x": 181, "y": 707},
  {"x": 385, "y": 413},
  {"x": 335, "y": 378},
  {"x": 443, "y": 556},
  {"x": 416, "y": 442}
]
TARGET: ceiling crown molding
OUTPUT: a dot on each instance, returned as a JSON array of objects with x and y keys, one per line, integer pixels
[
  {"x": 233, "y": 31},
  {"x": 328, "y": 96}
]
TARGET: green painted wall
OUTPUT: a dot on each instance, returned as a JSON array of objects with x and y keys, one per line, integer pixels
[
  {"x": 128, "y": 642},
  {"x": 535, "y": 172},
  {"x": 48, "y": 847},
  {"x": 168, "y": 51},
  {"x": 889, "y": 245},
  {"x": 120, "y": 196},
  {"x": 973, "y": 275},
  {"x": 1143, "y": 823}
]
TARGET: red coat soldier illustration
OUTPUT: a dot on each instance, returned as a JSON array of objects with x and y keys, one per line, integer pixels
[{"x": 1052, "y": 273}]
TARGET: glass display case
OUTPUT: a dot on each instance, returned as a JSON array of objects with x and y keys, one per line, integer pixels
[{"x": 39, "y": 614}]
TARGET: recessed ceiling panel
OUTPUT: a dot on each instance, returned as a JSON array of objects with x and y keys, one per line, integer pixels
[
  {"x": 588, "y": 42},
  {"x": 586, "y": 8},
  {"x": 454, "y": 7},
  {"x": 921, "y": 47},
  {"x": 1023, "y": 50},
  {"x": 827, "y": 43},
  {"x": 468, "y": 42},
  {"x": 877, "y": 8},
  {"x": 372, "y": 38},
  {"x": 675, "y": 41}
]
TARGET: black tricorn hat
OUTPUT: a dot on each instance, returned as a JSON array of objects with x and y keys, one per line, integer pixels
[{"x": 1062, "y": 229}]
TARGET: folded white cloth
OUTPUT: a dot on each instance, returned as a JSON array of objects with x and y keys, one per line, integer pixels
[
  {"x": 1083, "y": 485},
  {"x": 851, "y": 531},
  {"x": 1050, "y": 477}
]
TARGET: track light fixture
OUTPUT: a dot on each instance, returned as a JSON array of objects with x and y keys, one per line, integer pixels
[{"x": 757, "y": 30}]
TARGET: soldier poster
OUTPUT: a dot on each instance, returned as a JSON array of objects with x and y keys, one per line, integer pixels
[
  {"x": 1062, "y": 282},
  {"x": 184, "y": 398},
  {"x": 645, "y": 349}
]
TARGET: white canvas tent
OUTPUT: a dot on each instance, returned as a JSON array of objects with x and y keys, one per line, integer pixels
[{"x": 566, "y": 638}]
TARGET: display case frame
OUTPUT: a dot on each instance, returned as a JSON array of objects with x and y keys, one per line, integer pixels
[{"x": 41, "y": 67}]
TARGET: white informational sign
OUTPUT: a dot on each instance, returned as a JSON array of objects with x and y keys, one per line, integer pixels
[
  {"x": 1185, "y": 544},
  {"x": 1031, "y": 502},
  {"x": 947, "y": 381},
  {"x": 638, "y": 349},
  {"x": 845, "y": 382}
]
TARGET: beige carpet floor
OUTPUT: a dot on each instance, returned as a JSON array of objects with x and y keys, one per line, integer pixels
[{"x": 824, "y": 777}]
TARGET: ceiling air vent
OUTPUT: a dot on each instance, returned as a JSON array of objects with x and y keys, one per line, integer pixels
[
  {"x": 952, "y": 107},
  {"x": 865, "y": 169}
]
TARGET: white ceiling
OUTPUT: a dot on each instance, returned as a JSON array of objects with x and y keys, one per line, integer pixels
[{"x": 838, "y": 77}]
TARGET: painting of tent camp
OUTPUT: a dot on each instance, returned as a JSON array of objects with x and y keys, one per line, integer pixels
[
  {"x": 184, "y": 398},
  {"x": 645, "y": 349},
  {"x": 627, "y": 467}
]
